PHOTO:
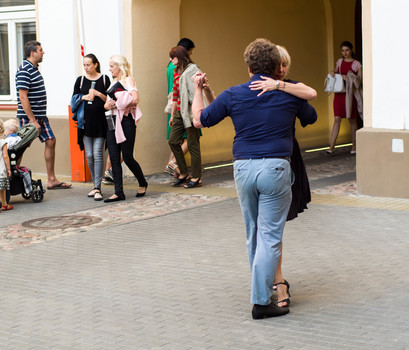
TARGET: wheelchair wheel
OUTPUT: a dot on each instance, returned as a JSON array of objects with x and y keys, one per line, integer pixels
[
  {"x": 26, "y": 195},
  {"x": 37, "y": 196}
]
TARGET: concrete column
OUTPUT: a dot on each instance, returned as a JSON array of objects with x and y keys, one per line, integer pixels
[
  {"x": 383, "y": 144},
  {"x": 155, "y": 30}
]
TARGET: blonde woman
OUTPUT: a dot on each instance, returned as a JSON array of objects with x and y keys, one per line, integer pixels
[
  {"x": 126, "y": 114},
  {"x": 300, "y": 189}
]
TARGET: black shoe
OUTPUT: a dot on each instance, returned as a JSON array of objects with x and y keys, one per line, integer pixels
[
  {"x": 143, "y": 193},
  {"x": 271, "y": 310},
  {"x": 192, "y": 184},
  {"x": 179, "y": 181},
  {"x": 115, "y": 199}
]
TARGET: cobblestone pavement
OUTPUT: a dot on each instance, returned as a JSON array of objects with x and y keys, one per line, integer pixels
[{"x": 170, "y": 270}]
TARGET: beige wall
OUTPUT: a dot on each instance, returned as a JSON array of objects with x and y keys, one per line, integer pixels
[
  {"x": 34, "y": 156},
  {"x": 343, "y": 16},
  {"x": 344, "y": 24},
  {"x": 155, "y": 29},
  {"x": 223, "y": 30}
]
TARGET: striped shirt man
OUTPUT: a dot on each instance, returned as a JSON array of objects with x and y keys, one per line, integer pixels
[
  {"x": 29, "y": 78},
  {"x": 32, "y": 107}
]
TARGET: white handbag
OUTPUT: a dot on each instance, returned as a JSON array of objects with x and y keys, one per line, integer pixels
[
  {"x": 168, "y": 108},
  {"x": 334, "y": 84}
]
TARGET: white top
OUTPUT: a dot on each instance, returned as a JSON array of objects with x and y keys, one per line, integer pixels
[
  {"x": 12, "y": 141},
  {"x": 128, "y": 85},
  {"x": 3, "y": 167}
]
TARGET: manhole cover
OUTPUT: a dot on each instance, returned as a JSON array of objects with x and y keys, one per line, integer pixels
[{"x": 61, "y": 222}]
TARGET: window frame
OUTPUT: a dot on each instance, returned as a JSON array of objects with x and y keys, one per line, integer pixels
[{"x": 12, "y": 16}]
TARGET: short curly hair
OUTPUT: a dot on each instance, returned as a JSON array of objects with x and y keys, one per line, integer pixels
[{"x": 262, "y": 57}]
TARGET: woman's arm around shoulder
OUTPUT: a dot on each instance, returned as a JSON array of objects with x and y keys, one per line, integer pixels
[
  {"x": 297, "y": 89},
  {"x": 300, "y": 90}
]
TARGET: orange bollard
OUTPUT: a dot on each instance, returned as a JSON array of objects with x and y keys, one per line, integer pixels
[{"x": 79, "y": 166}]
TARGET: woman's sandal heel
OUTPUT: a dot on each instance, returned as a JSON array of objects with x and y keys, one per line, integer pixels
[{"x": 286, "y": 300}]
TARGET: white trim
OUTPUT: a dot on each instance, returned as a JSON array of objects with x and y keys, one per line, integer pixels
[
  {"x": 17, "y": 15},
  {"x": 17, "y": 8},
  {"x": 13, "y": 64}
]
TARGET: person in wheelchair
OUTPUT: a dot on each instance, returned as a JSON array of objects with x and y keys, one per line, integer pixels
[{"x": 21, "y": 182}]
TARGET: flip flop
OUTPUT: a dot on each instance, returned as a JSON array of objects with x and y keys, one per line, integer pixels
[
  {"x": 7, "y": 207},
  {"x": 60, "y": 186}
]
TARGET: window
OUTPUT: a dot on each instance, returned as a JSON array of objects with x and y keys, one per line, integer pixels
[
  {"x": 4, "y": 61},
  {"x": 17, "y": 26}
]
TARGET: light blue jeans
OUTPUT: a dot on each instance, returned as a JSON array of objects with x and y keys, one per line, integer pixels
[
  {"x": 264, "y": 190},
  {"x": 94, "y": 147}
]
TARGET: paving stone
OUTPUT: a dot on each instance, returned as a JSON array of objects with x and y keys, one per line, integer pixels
[{"x": 170, "y": 271}]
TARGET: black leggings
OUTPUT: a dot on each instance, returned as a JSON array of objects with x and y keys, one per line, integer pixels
[{"x": 129, "y": 128}]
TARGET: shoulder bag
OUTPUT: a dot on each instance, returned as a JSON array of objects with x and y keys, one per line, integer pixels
[
  {"x": 168, "y": 108},
  {"x": 335, "y": 84}
]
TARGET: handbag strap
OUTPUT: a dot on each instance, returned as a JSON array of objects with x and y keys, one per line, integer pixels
[{"x": 82, "y": 80}]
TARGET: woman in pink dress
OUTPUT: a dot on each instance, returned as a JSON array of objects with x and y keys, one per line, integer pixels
[{"x": 343, "y": 66}]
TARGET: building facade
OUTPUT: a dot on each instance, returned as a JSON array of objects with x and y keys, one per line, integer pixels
[{"x": 144, "y": 31}]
